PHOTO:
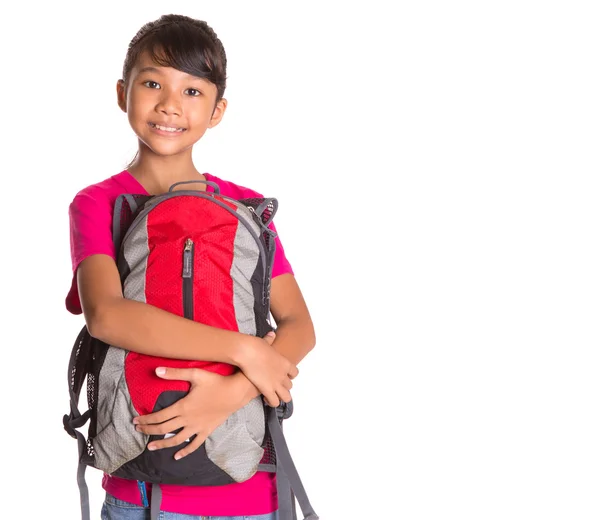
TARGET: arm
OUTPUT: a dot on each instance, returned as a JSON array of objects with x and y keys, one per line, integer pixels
[
  {"x": 295, "y": 338},
  {"x": 143, "y": 328},
  {"x": 146, "y": 329}
]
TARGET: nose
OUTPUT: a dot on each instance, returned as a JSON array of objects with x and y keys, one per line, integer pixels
[{"x": 169, "y": 103}]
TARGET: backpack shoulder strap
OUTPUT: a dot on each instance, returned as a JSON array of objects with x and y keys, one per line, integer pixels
[
  {"x": 126, "y": 207},
  {"x": 265, "y": 209},
  {"x": 79, "y": 363}
]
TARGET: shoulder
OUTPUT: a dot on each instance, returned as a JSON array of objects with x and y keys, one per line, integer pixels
[
  {"x": 101, "y": 194},
  {"x": 232, "y": 189}
]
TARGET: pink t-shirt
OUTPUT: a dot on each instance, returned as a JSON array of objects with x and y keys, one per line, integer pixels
[{"x": 90, "y": 216}]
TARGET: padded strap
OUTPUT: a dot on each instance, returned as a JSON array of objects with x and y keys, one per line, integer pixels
[
  {"x": 274, "y": 203},
  {"x": 75, "y": 419}
]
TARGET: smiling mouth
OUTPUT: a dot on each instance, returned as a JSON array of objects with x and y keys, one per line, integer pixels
[{"x": 170, "y": 129}]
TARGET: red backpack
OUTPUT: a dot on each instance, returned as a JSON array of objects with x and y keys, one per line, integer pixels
[{"x": 208, "y": 258}]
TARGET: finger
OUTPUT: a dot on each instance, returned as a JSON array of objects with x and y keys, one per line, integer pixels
[
  {"x": 175, "y": 440},
  {"x": 272, "y": 399},
  {"x": 287, "y": 383},
  {"x": 179, "y": 374},
  {"x": 293, "y": 372},
  {"x": 160, "y": 429},
  {"x": 270, "y": 337},
  {"x": 164, "y": 415},
  {"x": 285, "y": 395},
  {"x": 191, "y": 447}
]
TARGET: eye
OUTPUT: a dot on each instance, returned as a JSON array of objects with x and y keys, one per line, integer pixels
[
  {"x": 193, "y": 92},
  {"x": 151, "y": 84}
]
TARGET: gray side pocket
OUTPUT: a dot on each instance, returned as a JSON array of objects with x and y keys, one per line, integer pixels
[
  {"x": 235, "y": 446},
  {"x": 116, "y": 441}
]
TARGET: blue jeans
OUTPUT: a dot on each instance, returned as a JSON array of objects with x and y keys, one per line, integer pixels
[{"x": 115, "y": 509}]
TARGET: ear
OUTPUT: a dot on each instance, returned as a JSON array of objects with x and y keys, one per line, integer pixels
[
  {"x": 218, "y": 113},
  {"x": 121, "y": 95}
]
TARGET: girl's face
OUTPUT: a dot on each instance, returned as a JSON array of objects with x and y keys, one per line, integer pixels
[{"x": 167, "y": 109}]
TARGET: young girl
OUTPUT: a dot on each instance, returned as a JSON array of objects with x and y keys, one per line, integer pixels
[{"x": 172, "y": 90}]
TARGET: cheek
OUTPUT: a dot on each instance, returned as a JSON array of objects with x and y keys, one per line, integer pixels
[
  {"x": 141, "y": 99},
  {"x": 136, "y": 111},
  {"x": 131, "y": 118},
  {"x": 198, "y": 113}
]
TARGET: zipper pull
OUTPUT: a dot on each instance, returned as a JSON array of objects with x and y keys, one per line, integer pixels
[{"x": 187, "y": 258}]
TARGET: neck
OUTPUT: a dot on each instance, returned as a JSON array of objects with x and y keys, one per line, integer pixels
[{"x": 157, "y": 173}]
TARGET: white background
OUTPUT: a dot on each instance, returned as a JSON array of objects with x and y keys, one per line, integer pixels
[{"x": 436, "y": 166}]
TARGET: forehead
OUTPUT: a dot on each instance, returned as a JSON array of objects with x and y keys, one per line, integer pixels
[{"x": 146, "y": 65}]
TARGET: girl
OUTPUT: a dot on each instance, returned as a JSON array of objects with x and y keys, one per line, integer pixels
[{"x": 172, "y": 90}]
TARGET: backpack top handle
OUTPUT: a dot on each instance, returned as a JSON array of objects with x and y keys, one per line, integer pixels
[{"x": 214, "y": 185}]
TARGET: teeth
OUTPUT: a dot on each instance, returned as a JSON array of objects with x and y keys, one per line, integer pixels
[{"x": 167, "y": 128}]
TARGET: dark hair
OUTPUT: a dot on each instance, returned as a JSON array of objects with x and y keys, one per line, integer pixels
[{"x": 183, "y": 43}]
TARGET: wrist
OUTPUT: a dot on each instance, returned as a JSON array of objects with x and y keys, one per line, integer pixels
[
  {"x": 243, "y": 350},
  {"x": 245, "y": 390}
]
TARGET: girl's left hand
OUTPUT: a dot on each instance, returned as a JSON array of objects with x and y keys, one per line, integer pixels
[{"x": 196, "y": 413}]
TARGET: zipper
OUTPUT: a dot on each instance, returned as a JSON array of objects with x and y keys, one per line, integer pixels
[
  {"x": 161, "y": 198},
  {"x": 188, "y": 279}
]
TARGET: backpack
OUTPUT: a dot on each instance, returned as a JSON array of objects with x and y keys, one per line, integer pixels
[{"x": 206, "y": 257}]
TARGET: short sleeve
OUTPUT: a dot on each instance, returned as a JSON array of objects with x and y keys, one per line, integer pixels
[
  {"x": 90, "y": 222},
  {"x": 281, "y": 265}
]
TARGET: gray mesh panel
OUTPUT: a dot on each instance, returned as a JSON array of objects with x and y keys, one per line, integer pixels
[
  {"x": 245, "y": 257},
  {"x": 235, "y": 446},
  {"x": 136, "y": 254},
  {"x": 116, "y": 441}
]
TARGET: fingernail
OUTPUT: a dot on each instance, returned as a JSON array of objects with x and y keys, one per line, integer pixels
[
  {"x": 136, "y": 420},
  {"x": 177, "y": 456},
  {"x": 270, "y": 333},
  {"x": 151, "y": 447},
  {"x": 160, "y": 371}
]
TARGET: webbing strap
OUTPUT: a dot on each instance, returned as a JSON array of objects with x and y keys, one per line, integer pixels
[
  {"x": 285, "y": 496},
  {"x": 289, "y": 485},
  {"x": 76, "y": 420},
  {"x": 84, "y": 496},
  {"x": 155, "y": 501},
  {"x": 287, "y": 469}
]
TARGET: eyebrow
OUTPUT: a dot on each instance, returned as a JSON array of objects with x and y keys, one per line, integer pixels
[{"x": 149, "y": 69}]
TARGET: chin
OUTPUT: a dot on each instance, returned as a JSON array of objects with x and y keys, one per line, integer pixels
[
  {"x": 167, "y": 153},
  {"x": 163, "y": 149}
]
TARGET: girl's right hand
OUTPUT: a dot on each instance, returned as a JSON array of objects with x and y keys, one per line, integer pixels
[{"x": 270, "y": 372}]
